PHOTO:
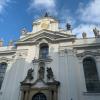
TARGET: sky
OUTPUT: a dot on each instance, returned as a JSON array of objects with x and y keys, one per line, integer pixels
[{"x": 83, "y": 15}]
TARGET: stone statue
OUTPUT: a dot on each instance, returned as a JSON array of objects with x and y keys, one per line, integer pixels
[
  {"x": 84, "y": 35},
  {"x": 68, "y": 26},
  {"x": 23, "y": 31},
  {"x": 46, "y": 14},
  {"x": 1, "y": 42},
  {"x": 10, "y": 43},
  {"x": 30, "y": 74},
  {"x": 41, "y": 72},
  {"x": 50, "y": 74},
  {"x": 96, "y": 32}
]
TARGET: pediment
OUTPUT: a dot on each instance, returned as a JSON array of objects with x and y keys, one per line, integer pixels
[
  {"x": 39, "y": 83},
  {"x": 88, "y": 53},
  {"x": 46, "y": 34}
]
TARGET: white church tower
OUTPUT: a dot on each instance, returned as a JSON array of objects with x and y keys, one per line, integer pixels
[{"x": 50, "y": 63}]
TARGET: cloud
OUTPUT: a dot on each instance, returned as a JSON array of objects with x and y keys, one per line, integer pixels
[
  {"x": 88, "y": 28},
  {"x": 63, "y": 14},
  {"x": 90, "y": 13},
  {"x": 65, "y": 17},
  {"x": 89, "y": 16},
  {"x": 46, "y": 3},
  {"x": 42, "y": 4},
  {"x": 3, "y": 5}
]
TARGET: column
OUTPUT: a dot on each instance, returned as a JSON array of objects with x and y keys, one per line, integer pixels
[
  {"x": 26, "y": 95},
  {"x": 22, "y": 95},
  {"x": 55, "y": 95},
  {"x": 50, "y": 95}
]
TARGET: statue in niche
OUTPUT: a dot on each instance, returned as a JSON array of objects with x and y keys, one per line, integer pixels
[
  {"x": 96, "y": 32},
  {"x": 41, "y": 72},
  {"x": 50, "y": 74},
  {"x": 30, "y": 74}
]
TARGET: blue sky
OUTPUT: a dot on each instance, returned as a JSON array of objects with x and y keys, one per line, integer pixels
[{"x": 84, "y": 15}]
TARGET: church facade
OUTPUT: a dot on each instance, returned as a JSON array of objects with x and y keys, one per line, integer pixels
[{"x": 50, "y": 63}]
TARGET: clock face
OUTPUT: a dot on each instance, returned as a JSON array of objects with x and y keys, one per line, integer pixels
[{"x": 45, "y": 25}]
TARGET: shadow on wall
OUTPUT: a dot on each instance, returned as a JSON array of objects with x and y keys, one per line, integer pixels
[{"x": 14, "y": 75}]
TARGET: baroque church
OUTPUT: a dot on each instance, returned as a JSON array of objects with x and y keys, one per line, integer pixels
[{"x": 50, "y": 63}]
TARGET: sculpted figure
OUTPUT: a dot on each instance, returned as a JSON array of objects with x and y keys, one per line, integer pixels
[
  {"x": 68, "y": 26},
  {"x": 23, "y": 31},
  {"x": 50, "y": 74},
  {"x": 41, "y": 72},
  {"x": 96, "y": 32},
  {"x": 84, "y": 35},
  {"x": 30, "y": 74},
  {"x": 46, "y": 14}
]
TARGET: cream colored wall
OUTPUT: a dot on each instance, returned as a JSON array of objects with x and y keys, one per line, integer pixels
[
  {"x": 51, "y": 24},
  {"x": 67, "y": 68}
]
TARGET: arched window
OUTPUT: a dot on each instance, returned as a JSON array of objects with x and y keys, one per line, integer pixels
[
  {"x": 91, "y": 75},
  {"x": 44, "y": 50},
  {"x": 39, "y": 96},
  {"x": 3, "y": 67}
]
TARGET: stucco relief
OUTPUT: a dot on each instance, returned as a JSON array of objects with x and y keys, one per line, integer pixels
[
  {"x": 5, "y": 59},
  {"x": 21, "y": 54},
  {"x": 65, "y": 51}
]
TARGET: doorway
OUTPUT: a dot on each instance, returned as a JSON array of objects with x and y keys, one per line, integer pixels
[{"x": 39, "y": 96}]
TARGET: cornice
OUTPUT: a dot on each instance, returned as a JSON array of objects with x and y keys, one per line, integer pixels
[
  {"x": 59, "y": 40},
  {"x": 91, "y": 94},
  {"x": 42, "y": 60},
  {"x": 55, "y": 34},
  {"x": 8, "y": 52},
  {"x": 84, "y": 46}
]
